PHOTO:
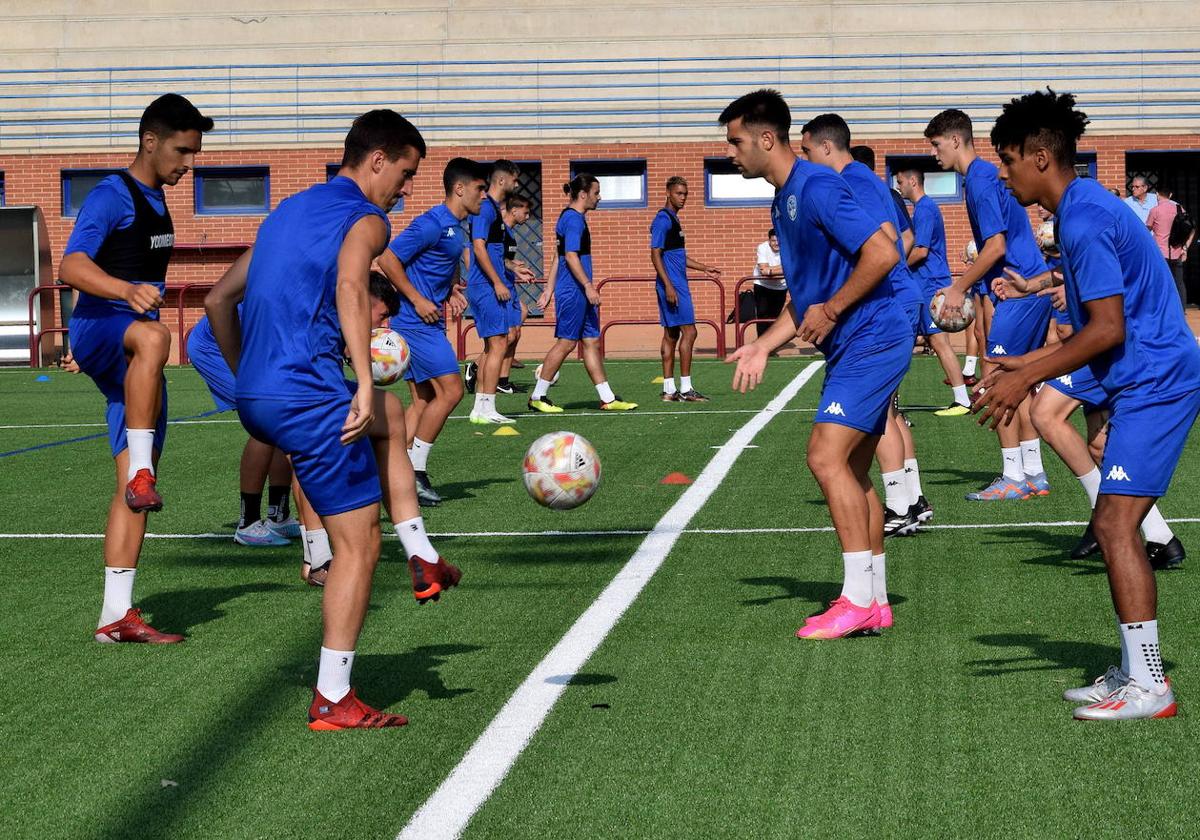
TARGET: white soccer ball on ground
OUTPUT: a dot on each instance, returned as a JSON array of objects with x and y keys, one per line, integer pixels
[
  {"x": 537, "y": 371},
  {"x": 389, "y": 356},
  {"x": 948, "y": 324},
  {"x": 562, "y": 470}
]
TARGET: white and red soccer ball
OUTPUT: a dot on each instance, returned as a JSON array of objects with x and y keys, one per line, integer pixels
[
  {"x": 389, "y": 356},
  {"x": 562, "y": 470}
]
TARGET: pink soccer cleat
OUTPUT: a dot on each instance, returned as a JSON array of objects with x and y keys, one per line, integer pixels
[{"x": 842, "y": 619}]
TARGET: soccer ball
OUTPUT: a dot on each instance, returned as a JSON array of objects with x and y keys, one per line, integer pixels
[
  {"x": 537, "y": 371},
  {"x": 971, "y": 252},
  {"x": 955, "y": 324},
  {"x": 1045, "y": 237},
  {"x": 389, "y": 356},
  {"x": 562, "y": 470}
]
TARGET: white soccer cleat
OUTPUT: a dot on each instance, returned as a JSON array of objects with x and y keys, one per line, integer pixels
[
  {"x": 1104, "y": 685},
  {"x": 1131, "y": 702},
  {"x": 258, "y": 534},
  {"x": 288, "y": 529},
  {"x": 497, "y": 417}
]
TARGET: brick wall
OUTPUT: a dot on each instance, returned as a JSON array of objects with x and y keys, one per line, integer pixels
[{"x": 725, "y": 237}]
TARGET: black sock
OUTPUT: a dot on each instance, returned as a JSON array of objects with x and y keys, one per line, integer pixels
[
  {"x": 277, "y": 502},
  {"x": 504, "y": 380},
  {"x": 251, "y": 509}
]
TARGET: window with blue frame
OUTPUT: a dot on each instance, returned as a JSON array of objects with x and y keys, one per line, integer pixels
[
  {"x": 943, "y": 187},
  {"x": 331, "y": 171},
  {"x": 724, "y": 186},
  {"x": 1085, "y": 164},
  {"x": 232, "y": 190},
  {"x": 622, "y": 182},
  {"x": 77, "y": 183}
]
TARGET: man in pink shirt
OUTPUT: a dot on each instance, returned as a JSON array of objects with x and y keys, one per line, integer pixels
[{"x": 1161, "y": 217}]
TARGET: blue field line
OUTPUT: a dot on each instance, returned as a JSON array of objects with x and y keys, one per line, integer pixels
[{"x": 98, "y": 435}]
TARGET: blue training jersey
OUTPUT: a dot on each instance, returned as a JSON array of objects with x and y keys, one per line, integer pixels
[
  {"x": 1106, "y": 251},
  {"x": 573, "y": 235},
  {"x": 431, "y": 250},
  {"x": 929, "y": 231},
  {"x": 489, "y": 226},
  {"x": 875, "y": 197},
  {"x": 991, "y": 209},
  {"x": 666, "y": 233},
  {"x": 291, "y": 337},
  {"x": 821, "y": 228}
]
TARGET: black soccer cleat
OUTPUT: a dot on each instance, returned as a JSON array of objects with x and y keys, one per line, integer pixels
[
  {"x": 899, "y": 524},
  {"x": 921, "y": 509},
  {"x": 1164, "y": 557},
  {"x": 426, "y": 495},
  {"x": 470, "y": 374},
  {"x": 1087, "y": 545}
]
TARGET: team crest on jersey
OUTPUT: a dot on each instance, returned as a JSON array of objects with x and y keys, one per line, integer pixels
[
  {"x": 1117, "y": 473},
  {"x": 791, "y": 207}
]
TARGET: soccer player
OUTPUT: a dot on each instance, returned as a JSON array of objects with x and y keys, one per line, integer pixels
[
  {"x": 490, "y": 292},
  {"x": 928, "y": 263},
  {"x": 836, "y": 259},
  {"x": 1002, "y": 230},
  {"x": 1131, "y": 333},
  {"x": 669, "y": 257},
  {"x": 578, "y": 302},
  {"x": 516, "y": 213},
  {"x": 117, "y": 259},
  {"x": 423, "y": 262},
  {"x": 825, "y": 140},
  {"x": 301, "y": 309}
]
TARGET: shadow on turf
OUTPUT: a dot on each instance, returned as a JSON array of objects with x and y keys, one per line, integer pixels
[
  {"x": 969, "y": 480},
  {"x": 462, "y": 489},
  {"x": 1059, "y": 544},
  {"x": 1045, "y": 654},
  {"x": 389, "y": 678},
  {"x": 822, "y": 592},
  {"x": 180, "y": 611}
]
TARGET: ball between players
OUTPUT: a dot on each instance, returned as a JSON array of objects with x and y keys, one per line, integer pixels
[
  {"x": 946, "y": 323},
  {"x": 562, "y": 470},
  {"x": 389, "y": 356}
]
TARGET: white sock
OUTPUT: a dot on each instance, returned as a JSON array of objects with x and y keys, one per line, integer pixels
[
  {"x": 1091, "y": 485},
  {"x": 479, "y": 402},
  {"x": 857, "y": 585},
  {"x": 669, "y": 385},
  {"x": 685, "y": 383},
  {"x": 333, "y": 676},
  {"x": 304, "y": 546},
  {"x": 879, "y": 578},
  {"x": 1155, "y": 528},
  {"x": 969, "y": 365},
  {"x": 118, "y": 594},
  {"x": 1012, "y": 463},
  {"x": 1124, "y": 647},
  {"x": 416, "y": 543},
  {"x": 141, "y": 450},
  {"x": 960, "y": 395},
  {"x": 895, "y": 491},
  {"x": 318, "y": 549},
  {"x": 605, "y": 392},
  {"x": 1145, "y": 661},
  {"x": 419, "y": 454},
  {"x": 1031, "y": 456},
  {"x": 912, "y": 474},
  {"x": 541, "y": 389}
]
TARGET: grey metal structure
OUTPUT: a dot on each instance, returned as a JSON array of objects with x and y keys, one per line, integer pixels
[{"x": 25, "y": 263}]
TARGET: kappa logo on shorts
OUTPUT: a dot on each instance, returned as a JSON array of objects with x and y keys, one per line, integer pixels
[
  {"x": 835, "y": 408},
  {"x": 998, "y": 350},
  {"x": 1066, "y": 380},
  {"x": 1117, "y": 473}
]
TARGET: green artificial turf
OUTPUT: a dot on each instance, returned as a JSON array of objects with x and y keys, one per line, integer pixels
[{"x": 699, "y": 716}]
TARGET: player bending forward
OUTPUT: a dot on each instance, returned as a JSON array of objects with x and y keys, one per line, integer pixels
[
  {"x": 297, "y": 306},
  {"x": 1131, "y": 332}
]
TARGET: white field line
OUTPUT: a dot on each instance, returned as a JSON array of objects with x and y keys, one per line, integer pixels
[
  {"x": 966, "y": 526},
  {"x": 448, "y": 811}
]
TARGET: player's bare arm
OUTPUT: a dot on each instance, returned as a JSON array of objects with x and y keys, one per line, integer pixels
[
  {"x": 79, "y": 272},
  {"x": 990, "y": 254},
  {"x": 711, "y": 271},
  {"x": 393, "y": 269},
  {"x": 661, "y": 270},
  {"x": 479, "y": 253},
  {"x": 548, "y": 293},
  {"x": 220, "y": 304},
  {"x": 575, "y": 266},
  {"x": 365, "y": 240}
]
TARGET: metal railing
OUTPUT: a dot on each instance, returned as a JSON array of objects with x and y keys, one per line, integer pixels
[{"x": 718, "y": 324}]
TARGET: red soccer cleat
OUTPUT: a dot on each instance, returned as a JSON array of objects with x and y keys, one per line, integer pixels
[
  {"x": 429, "y": 579},
  {"x": 131, "y": 628},
  {"x": 140, "y": 493},
  {"x": 348, "y": 713}
]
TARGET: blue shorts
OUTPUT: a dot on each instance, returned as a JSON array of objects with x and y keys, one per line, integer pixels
[
  {"x": 1060, "y": 316},
  {"x": 858, "y": 389},
  {"x": 679, "y": 315},
  {"x": 1081, "y": 385},
  {"x": 335, "y": 478},
  {"x": 491, "y": 315},
  {"x": 1145, "y": 441},
  {"x": 516, "y": 315},
  {"x": 915, "y": 313},
  {"x": 576, "y": 318},
  {"x": 98, "y": 345},
  {"x": 982, "y": 288},
  {"x": 206, "y": 358},
  {"x": 431, "y": 354},
  {"x": 1019, "y": 326}
]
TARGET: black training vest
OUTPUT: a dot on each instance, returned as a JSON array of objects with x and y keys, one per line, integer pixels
[
  {"x": 495, "y": 234},
  {"x": 585, "y": 241},
  {"x": 139, "y": 253},
  {"x": 510, "y": 246},
  {"x": 674, "y": 240}
]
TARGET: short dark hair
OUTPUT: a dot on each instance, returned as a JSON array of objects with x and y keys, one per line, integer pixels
[
  {"x": 1045, "y": 118},
  {"x": 1164, "y": 187},
  {"x": 676, "y": 181},
  {"x": 462, "y": 170},
  {"x": 380, "y": 287},
  {"x": 771, "y": 233},
  {"x": 582, "y": 182},
  {"x": 950, "y": 121},
  {"x": 171, "y": 113},
  {"x": 914, "y": 170},
  {"x": 763, "y": 108},
  {"x": 864, "y": 155},
  {"x": 828, "y": 127},
  {"x": 382, "y": 129},
  {"x": 505, "y": 166},
  {"x": 514, "y": 201}
]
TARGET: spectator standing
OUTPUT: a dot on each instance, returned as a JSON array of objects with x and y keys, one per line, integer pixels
[
  {"x": 770, "y": 287},
  {"x": 1140, "y": 199},
  {"x": 1160, "y": 220}
]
